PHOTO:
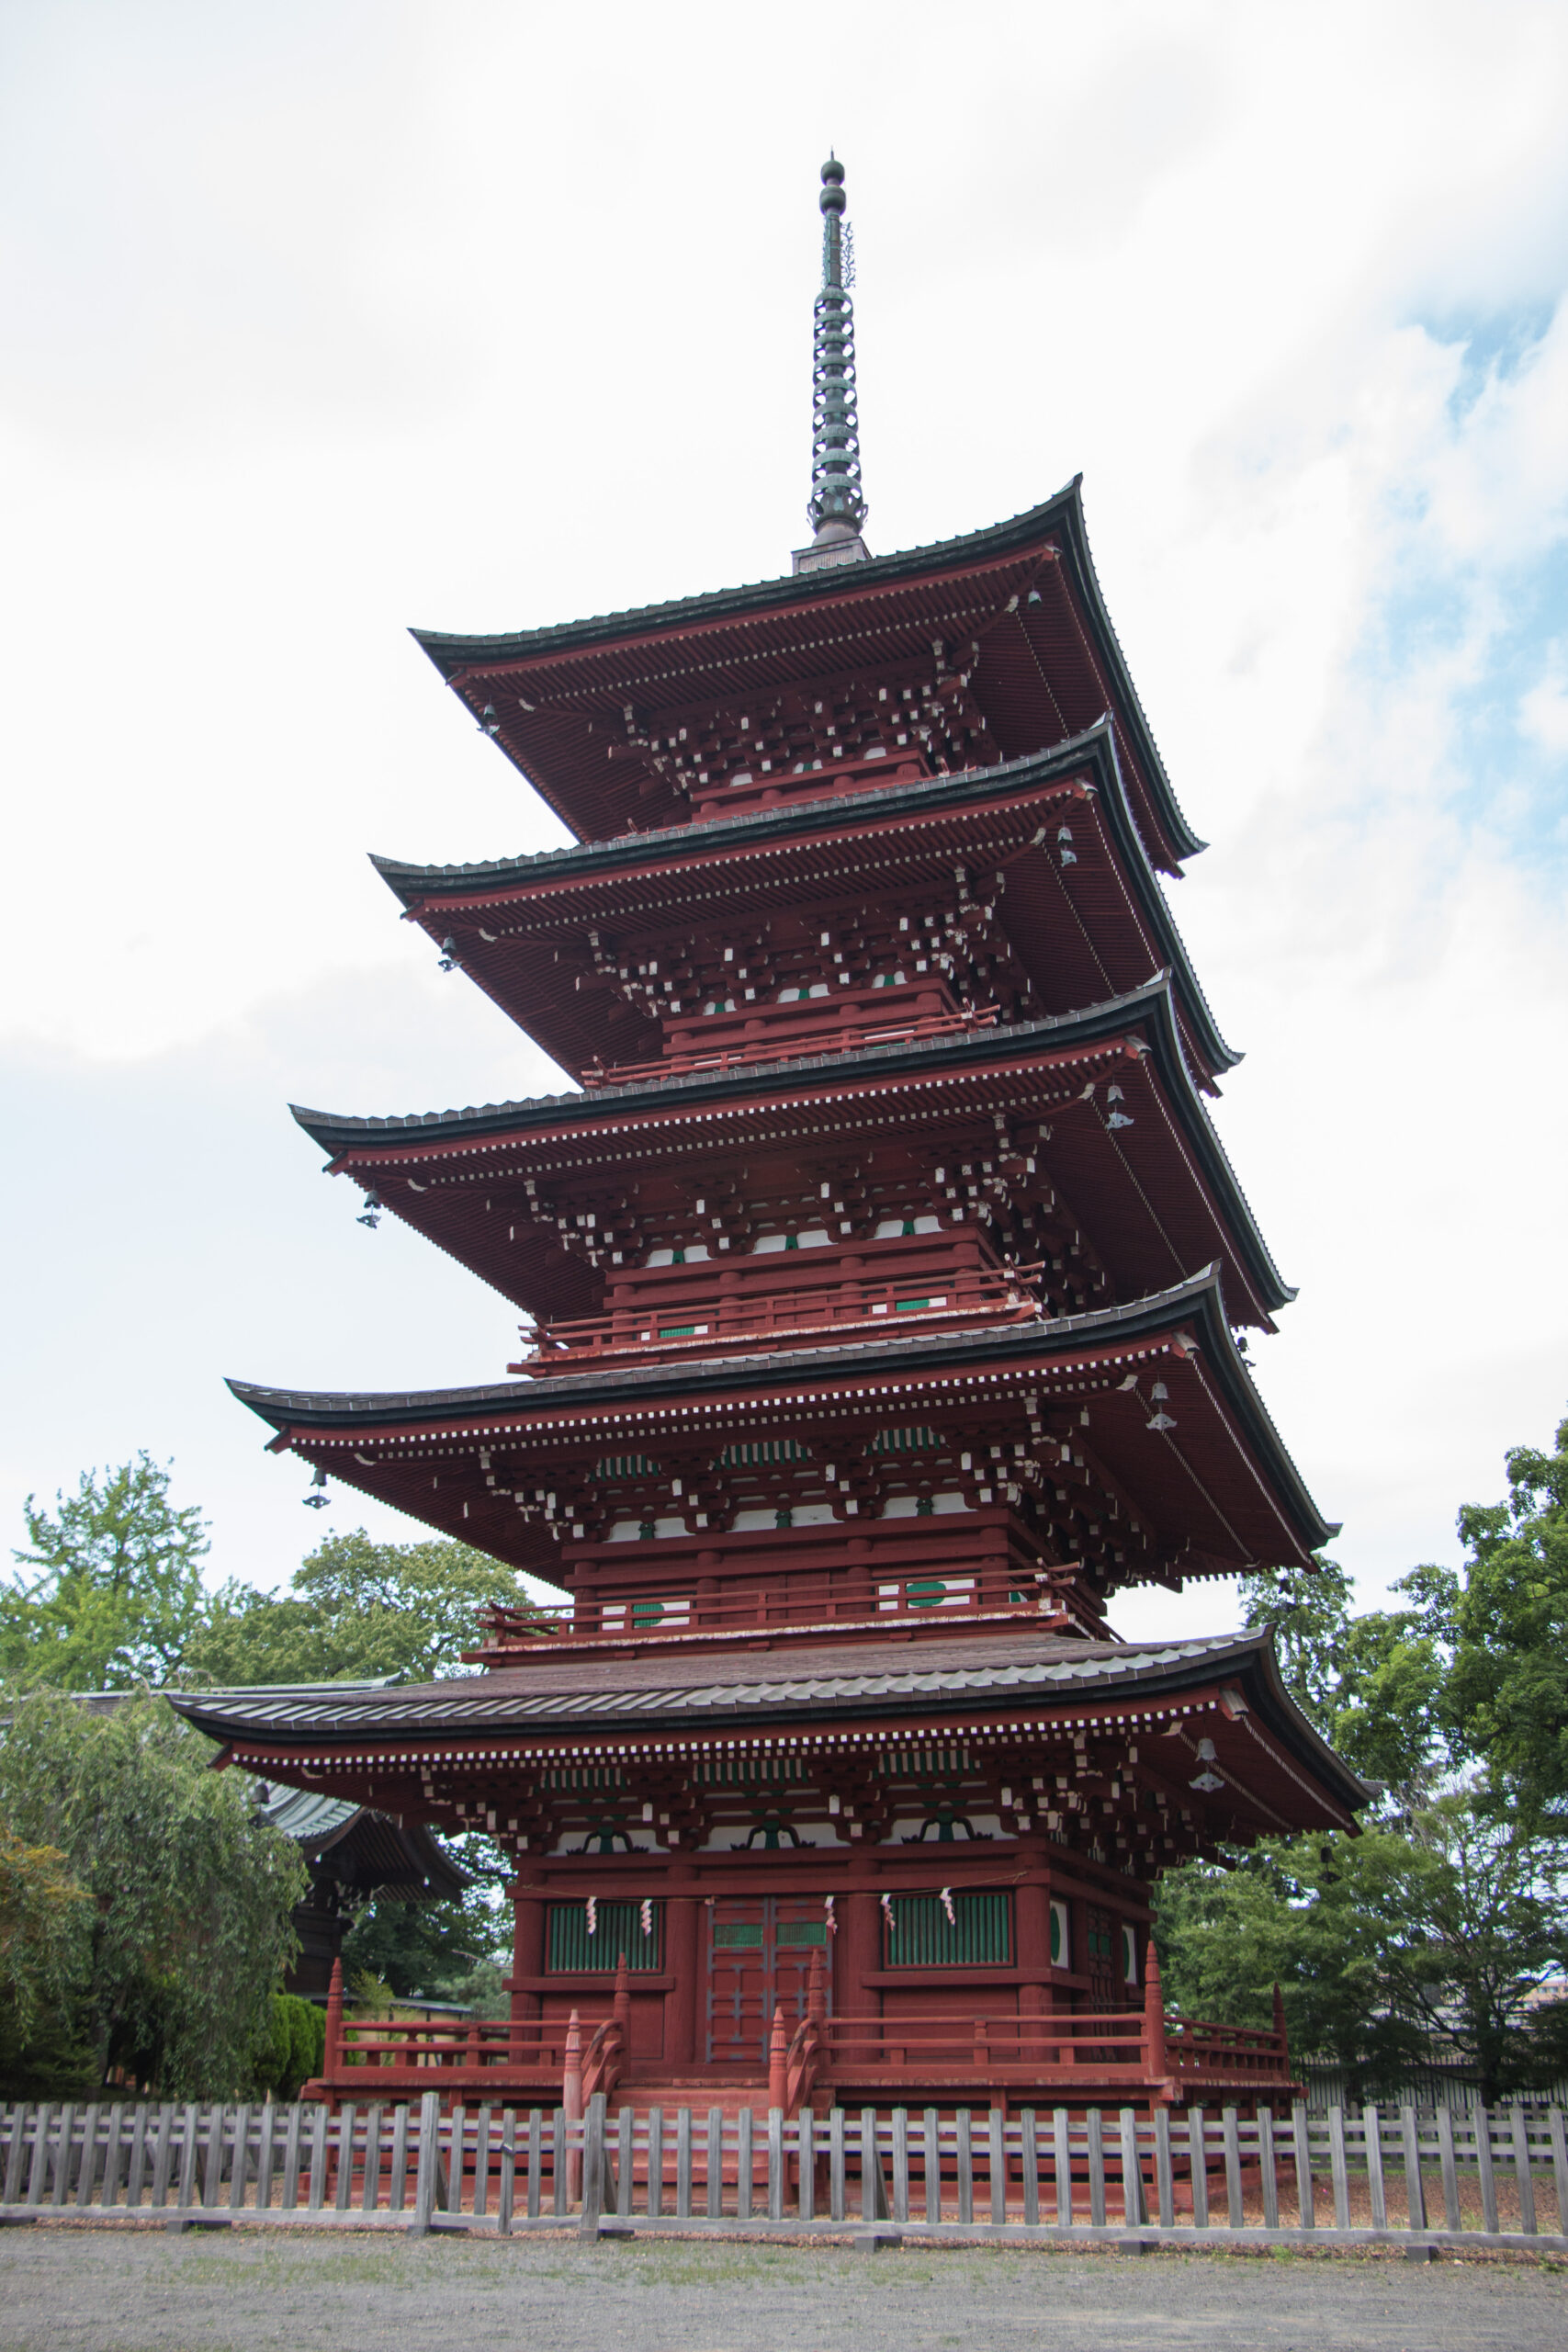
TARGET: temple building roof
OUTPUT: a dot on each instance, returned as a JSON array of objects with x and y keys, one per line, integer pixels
[
  {"x": 452, "y": 1175},
  {"x": 678, "y": 1699},
  {"x": 587, "y": 709},
  {"x": 519, "y": 926},
  {"x": 429, "y": 1453}
]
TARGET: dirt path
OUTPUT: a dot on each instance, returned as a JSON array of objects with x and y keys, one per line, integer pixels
[{"x": 137, "y": 2290}]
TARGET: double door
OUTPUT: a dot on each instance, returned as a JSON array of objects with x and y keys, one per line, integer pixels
[{"x": 759, "y": 1949}]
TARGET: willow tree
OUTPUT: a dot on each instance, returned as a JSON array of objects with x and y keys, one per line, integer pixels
[{"x": 191, "y": 1893}]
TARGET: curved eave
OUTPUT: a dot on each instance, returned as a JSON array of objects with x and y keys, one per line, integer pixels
[
  {"x": 454, "y": 654},
  {"x": 1197, "y": 1304},
  {"x": 967, "y": 1678},
  {"x": 416, "y": 887},
  {"x": 1151, "y": 1010}
]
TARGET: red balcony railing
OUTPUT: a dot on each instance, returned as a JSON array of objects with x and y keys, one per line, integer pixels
[
  {"x": 786, "y": 1042},
  {"x": 718, "y": 1322}
]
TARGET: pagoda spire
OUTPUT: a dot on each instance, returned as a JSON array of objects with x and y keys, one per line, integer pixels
[{"x": 837, "y": 507}]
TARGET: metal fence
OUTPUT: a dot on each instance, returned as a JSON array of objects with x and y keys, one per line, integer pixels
[
  {"x": 1438, "y": 2085},
  {"x": 1375, "y": 2175}
]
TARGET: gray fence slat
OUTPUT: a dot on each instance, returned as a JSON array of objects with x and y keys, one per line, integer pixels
[
  {"x": 1029, "y": 2165},
  {"x": 1061, "y": 2143},
  {"x": 396, "y": 2185},
  {"x": 162, "y": 2155},
  {"x": 558, "y": 2161},
  {"x": 1371, "y": 2125},
  {"x": 320, "y": 2127},
  {"x": 593, "y": 2167},
  {"x": 683, "y": 2163},
  {"x": 836, "y": 2165},
  {"x": 240, "y": 2163},
  {"x": 135, "y": 2170},
  {"x": 900, "y": 2163},
  {"x": 457, "y": 2157},
  {"x": 291, "y": 2140},
  {"x": 805, "y": 2151},
  {"x": 1165, "y": 2179},
  {"x": 62, "y": 2153},
  {"x": 776, "y": 2163},
  {"x": 1232, "y": 2138},
  {"x": 114, "y": 2156},
  {"x": 213, "y": 2170},
  {"x": 1559, "y": 2164},
  {"x": 1133, "y": 2207},
  {"x": 38, "y": 2172},
  {"x": 317, "y": 2160},
  {"x": 1482, "y": 2123},
  {"x": 341, "y": 2140},
  {"x": 87, "y": 2170},
  {"x": 482, "y": 2162},
  {"x": 1269, "y": 2167},
  {"x": 1095, "y": 2123},
  {"x": 427, "y": 2157},
  {"x": 1522, "y": 2171},
  {"x": 535, "y": 2161},
  {"x": 713, "y": 2150},
  {"x": 655, "y": 2163},
  {"x": 746, "y": 2158},
  {"x": 1414, "y": 2188},
  {"x": 17, "y": 2127},
  {"x": 1301, "y": 2133},
  {"x": 266, "y": 2154},
  {"x": 931, "y": 2161},
  {"x": 85, "y": 2166},
  {"x": 190, "y": 2151},
  {"x": 625, "y": 2160},
  {"x": 1198, "y": 2164},
  {"x": 506, "y": 2185},
  {"x": 996, "y": 2165},
  {"x": 965, "y": 2147},
  {"x": 1451, "y": 2172},
  {"x": 1338, "y": 2164},
  {"x": 370, "y": 2170}
]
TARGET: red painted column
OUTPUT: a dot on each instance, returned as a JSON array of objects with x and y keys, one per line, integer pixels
[
  {"x": 857, "y": 1955},
  {"x": 682, "y": 1962},
  {"x": 527, "y": 1947},
  {"x": 1032, "y": 1929}
]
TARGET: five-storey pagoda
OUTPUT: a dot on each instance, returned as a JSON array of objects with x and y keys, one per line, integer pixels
[{"x": 884, "y": 1271}]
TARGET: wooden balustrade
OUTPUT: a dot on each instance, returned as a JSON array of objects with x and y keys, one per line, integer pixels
[
  {"x": 790, "y": 1042},
  {"x": 706, "y": 1321}
]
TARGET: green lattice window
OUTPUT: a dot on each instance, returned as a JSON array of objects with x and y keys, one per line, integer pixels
[
  {"x": 920, "y": 1934},
  {"x": 572, "y": 1951}
]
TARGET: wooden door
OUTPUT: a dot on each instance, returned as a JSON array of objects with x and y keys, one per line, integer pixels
[{"x": 760, "y": 1953}]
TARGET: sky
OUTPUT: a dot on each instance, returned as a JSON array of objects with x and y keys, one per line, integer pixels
[{"x": 322, "y": 320}]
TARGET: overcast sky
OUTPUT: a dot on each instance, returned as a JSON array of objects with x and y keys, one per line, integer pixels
[{"x": 319, "y": 320}]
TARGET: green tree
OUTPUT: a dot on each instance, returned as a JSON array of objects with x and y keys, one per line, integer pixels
[
  {"x": 457, "y": 1950},
  {"x": 118, "y": 1594},
  {"x": 357, "y": 1608},
  {"x": 191, "y": 1893},
  {"x": 1509, "y": 1685}
]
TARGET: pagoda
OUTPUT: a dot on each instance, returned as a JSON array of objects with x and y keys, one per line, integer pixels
[{"x": 886, "y": 1287}]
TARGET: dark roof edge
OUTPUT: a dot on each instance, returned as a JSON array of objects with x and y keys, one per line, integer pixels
[
  {"x": 452, "y": 653},
  {"x": 1153, "y": 1002},
  {"x": 1201, "y": 1296},
  {"x": 411, "y": 884}
]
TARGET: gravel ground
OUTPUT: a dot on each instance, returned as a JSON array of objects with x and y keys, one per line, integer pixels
[{"x": 139, "y": 2290}]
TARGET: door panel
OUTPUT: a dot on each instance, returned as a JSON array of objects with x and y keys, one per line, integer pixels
[{"x": 760, "y": 1953}]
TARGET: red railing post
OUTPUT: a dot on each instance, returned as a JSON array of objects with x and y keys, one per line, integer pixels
[
  {"x": 331, "y": 2056},
  {"x": 1156, "y": 2061},
  {"x": 571, "y": 2101},
  {"x": 778, "y": 2061}
]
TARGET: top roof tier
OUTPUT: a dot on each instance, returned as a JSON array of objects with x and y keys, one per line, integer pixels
[{"x": 969, "y": 653}]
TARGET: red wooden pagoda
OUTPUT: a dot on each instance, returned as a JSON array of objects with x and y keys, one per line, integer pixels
[{"x": 882, "y": 1270}]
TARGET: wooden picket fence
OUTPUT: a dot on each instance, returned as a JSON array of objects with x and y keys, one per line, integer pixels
[{"x": 1347, "y": 2177}]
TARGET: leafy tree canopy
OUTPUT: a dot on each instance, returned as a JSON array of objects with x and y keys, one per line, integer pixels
[
  {"x": 112, "y": 1591},
  {"x": 1509, "y": 1690},
  {"x": 191, "y": 1894},
  {"x": 357, "y": 1609}
]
